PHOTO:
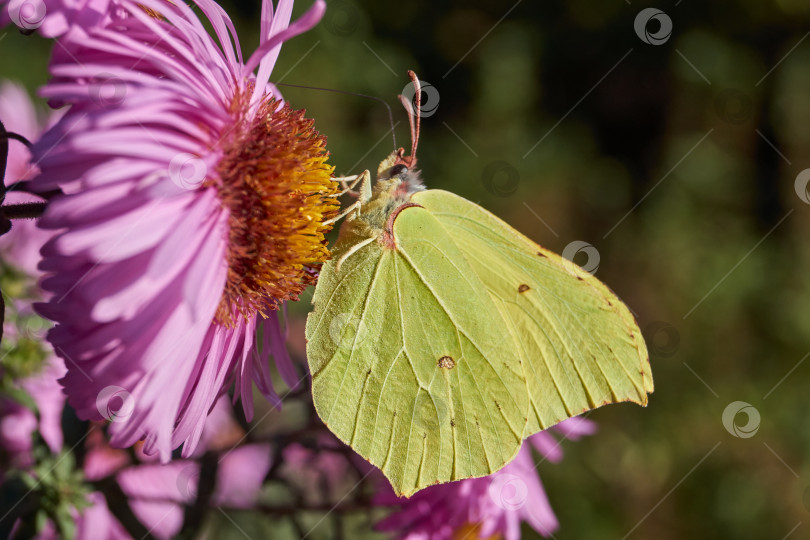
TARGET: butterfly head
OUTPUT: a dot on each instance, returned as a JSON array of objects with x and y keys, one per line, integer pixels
[
  {"x": 398, "y": 172},
  {"x": 396, "y": 177}
]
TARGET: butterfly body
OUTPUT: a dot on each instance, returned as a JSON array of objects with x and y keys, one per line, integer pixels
[{"x": 394, "y": 186}]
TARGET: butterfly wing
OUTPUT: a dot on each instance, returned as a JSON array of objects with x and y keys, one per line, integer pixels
[
  {"x": 579, "y": 344},
  {"x": 410, "y": 364}
]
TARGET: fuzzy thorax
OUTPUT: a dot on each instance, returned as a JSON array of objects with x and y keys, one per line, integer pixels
[{"x": 392, "y": 192}]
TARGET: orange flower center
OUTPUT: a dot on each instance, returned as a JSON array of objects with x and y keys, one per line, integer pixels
[{"x": 276, "y": 183}]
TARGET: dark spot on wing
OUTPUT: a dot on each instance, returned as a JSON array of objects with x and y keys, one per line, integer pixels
[
  {"x": 452, "y": 423},
  {"x": 540, "y": 253},
  {"x": 447, "y": 362},
  {"x": 523, "y": 288}
]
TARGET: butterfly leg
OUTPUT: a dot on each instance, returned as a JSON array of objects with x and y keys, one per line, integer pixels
[
  {"x": 363, "y": 197},
  {"x": 346, "y": 185},
  {"x": 354, "y": 249}
]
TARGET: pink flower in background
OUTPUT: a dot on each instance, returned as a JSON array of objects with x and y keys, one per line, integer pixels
[
  {"x": 52, "y": 18},
  {"x": 485, "y": 507},
  {"x": 195, "y": 208},
  {"x": 18, "y": 423},
  {"x": 17, "y": 427},
  {"x": 93, "y": 523},
  {"x": 20, "y": 247},
  {"x": 158, "y": 493}
]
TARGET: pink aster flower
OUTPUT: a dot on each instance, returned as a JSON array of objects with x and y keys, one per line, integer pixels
[
  {"x": 18, "y": 423},
  {"x": 158, "y": 494},
  {"x": 20, "y": 247},
  {"x": 493, "y": 506},
  {"x": 196, "y": 206},
  {"x": 94, "y": 522},
  {"x": 52, "y": 18}
]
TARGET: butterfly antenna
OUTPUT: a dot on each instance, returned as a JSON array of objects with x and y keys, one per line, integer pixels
[
  {"x": 414, "y": 119},
  {"x": 375, "y": 98}
]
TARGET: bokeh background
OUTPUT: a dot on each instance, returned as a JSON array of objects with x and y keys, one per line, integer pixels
[{"x": 677, "y": 153}]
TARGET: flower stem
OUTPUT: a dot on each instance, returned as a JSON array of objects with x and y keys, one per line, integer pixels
[
  {"x": 4, "y": 137},
  {"x": 23, "y": 210},
  {"x": 26, "y": 187}
]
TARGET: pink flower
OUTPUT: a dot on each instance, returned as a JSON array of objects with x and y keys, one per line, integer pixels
[
  {"x": 22, "y": 329},
  {"x": 196, "y": 207},
  {"x": 52, "y": 18},
  {"x": 17, "y": 427},
  {"x": 158, "y": 493},
  {"x": 18, "y": 423},
  {"x": 93, "y": 523},
  {"x": 20, "y": 247},
  {"x": 485, "y": 507},
  {"x": 329, "y": 471}
]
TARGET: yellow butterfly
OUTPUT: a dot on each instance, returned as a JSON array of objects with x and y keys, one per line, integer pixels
[{"x": 442, "y": 337}]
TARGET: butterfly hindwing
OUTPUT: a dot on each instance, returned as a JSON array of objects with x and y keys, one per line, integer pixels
[{"x": 410, "y": 363}]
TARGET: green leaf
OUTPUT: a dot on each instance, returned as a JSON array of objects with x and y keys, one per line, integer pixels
[
  {"x": 41, "y": 521},
  {"x": 64, "y": 521},
  {"x": 449, "y": 337}
]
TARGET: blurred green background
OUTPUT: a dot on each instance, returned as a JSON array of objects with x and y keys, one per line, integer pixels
[{"x": 676, "y": 159}]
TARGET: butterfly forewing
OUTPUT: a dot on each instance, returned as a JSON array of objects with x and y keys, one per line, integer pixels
[{"x": 579, "y": 345}]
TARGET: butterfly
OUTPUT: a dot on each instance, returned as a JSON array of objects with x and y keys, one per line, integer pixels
[{"x": 441, "y": 337}]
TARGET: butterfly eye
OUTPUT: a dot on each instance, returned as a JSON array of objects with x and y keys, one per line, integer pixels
[{"x": 397, "y": 170}]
